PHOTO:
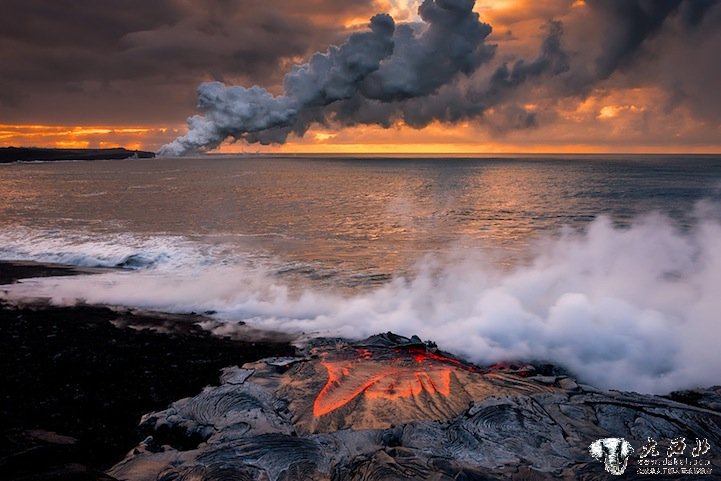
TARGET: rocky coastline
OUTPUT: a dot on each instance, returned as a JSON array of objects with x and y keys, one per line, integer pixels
[
  {"x": 102, "y": 393},
  {"x": 76, "y": 380},
  {"x": 30, "y": 154}
]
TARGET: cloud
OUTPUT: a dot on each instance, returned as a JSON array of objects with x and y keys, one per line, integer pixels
[
  {"x": 442, "y": 69},
  {"x": 139, "y": 63},
  {"x": 624, "y": 33},
  {"x": 133, "y": 61}
]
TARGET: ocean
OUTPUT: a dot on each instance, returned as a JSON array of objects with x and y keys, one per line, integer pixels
[{"x": 608, "y": 265}]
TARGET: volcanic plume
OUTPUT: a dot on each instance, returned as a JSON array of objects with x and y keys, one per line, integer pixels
[
  {"x": 443, "y": 69},
  {"x": 385, "y": 64}
]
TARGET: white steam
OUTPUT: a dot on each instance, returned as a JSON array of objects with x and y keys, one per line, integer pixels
[
  {"x": 249, "y": 112},
  {"x": 383, "y": 65},
  {"x": 628, "y": 308}
]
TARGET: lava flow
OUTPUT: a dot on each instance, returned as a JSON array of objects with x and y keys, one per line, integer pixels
[
  {"x": 407, "y": 372},
  {"x": 385, "y": 380}
]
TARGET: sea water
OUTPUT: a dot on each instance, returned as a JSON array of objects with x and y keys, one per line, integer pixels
[{"x": 609, "y": 265}]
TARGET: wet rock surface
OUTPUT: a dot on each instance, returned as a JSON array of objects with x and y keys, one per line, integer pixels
[
  {"x": 12, "y": 271},
  {"x": 393, "y": 408}
]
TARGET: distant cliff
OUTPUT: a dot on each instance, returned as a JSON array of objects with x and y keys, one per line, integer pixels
[{"x": 14, "y": 154}]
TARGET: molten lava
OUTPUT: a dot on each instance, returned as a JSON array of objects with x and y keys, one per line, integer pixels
[{"x": 408, "y": 373}]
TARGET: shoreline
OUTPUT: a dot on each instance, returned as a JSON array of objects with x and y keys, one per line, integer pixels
[
  {"x": 78, "y": 379},
  {"x": 42, "y": 154},
  {"x": 12, "y": 271}
]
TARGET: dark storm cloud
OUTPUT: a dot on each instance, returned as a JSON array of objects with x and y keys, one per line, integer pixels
[
  {"x": 81, "y": 22},
  {"x": 629, "y": 23},
  {"x": 626, "y": 31},
  {"x": 552, "y": 58},
  {"x": 672, "y": 45},
  {"x": 689, "y": 68},
  {"x": 134, "y": 61},
  {"x": 467, "y": 97},
  {"x": 693, "y": 13},
  {"x": 96, "y": 61},
  {"x": 59, "y": 45}
]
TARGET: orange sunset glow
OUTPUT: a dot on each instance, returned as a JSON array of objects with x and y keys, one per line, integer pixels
[
  {"x": 592, "y": 128},
  {"x": 645, "y": 96},
  {"x": 74, "y": 136}
]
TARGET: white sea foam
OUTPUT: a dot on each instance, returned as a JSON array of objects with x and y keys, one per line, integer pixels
[
  {"x": 628, "y": 308},
  {"x": 94, "y": 250}
]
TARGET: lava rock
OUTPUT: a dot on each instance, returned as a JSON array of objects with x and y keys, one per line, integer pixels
[{"x": 261, "y": 424}]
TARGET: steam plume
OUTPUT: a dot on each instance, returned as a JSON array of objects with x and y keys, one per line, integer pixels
[
  {"x": 385, "y": 64},
  {"x": 626, "y": 308},
  {"x": 432, "y": 71}
]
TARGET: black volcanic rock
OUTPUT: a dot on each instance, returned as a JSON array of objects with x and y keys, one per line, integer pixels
[
  {"x": 385, "y": 408},
  {"x": 12, "y": 271},
  {"x": 75, "y": 381},
  {"x": 261, "y": 424},
  {"x": 22, "y": 154}
]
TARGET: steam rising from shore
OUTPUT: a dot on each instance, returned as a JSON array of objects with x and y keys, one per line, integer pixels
[{"x": 629, "y": 308}]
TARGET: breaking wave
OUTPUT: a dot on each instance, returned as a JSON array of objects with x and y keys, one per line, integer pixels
[{"x": 125, "y": 251}]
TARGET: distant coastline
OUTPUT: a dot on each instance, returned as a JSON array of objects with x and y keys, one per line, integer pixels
[{"x": 20, "y": 154}]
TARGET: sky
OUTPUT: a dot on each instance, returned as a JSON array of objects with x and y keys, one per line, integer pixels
[{"x": 440, "y": 76}]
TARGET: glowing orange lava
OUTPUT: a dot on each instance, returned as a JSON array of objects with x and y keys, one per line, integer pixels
[{"x": 413, "y": 372}]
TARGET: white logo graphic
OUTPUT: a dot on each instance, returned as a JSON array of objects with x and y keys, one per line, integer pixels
[
  {"x": 650, "y": 460},
  {"x": 613, "y": 452}
]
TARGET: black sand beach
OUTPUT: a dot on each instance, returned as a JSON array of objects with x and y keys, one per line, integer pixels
[{"x": 76, "y": 380}]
